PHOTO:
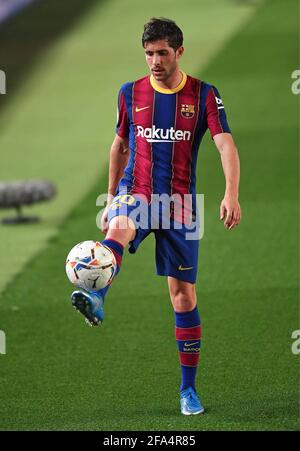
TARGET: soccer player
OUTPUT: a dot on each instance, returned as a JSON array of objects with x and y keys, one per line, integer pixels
[{"x": 162, "y": 119}]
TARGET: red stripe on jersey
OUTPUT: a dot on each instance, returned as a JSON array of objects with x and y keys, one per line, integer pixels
[
  {"x": 188, "y": 333},
  {"x": 142, "y": 114},
  {"x": 212, "y": 111},
  {"x": 189, "y": 359},
  {"x": 186, "y": 119}
]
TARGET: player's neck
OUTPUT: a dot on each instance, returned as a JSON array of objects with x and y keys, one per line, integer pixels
[{"x": 172, "y": 82}]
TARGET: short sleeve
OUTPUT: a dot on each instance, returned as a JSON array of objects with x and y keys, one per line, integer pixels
[
  {"x": 122, "y": 128},
  {"x": 215, "y": 113}
]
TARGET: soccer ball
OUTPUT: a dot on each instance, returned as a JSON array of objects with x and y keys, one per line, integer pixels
[{"x": 91, "y": 265}]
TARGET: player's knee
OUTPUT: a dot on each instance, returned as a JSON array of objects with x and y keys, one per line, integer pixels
[
  {"x": 183, "y": 302},
  {"x": 121, "y": 223},
  {"x": 121, "y": 229}
]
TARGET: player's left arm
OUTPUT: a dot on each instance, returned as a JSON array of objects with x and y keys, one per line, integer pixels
[{"x": 230, "y": 210}]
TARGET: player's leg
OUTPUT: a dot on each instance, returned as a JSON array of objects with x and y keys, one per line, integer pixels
[
  {"x": 123, "y": 228},
  {"x": 120, "y": 232},
  {"x": 177, "y": 258},
  {"x": 188, "y": 337}
]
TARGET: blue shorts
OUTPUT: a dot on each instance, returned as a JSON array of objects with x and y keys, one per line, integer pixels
[{"x": 176, "y": 249}]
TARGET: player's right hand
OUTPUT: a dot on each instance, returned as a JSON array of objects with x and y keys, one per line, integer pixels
[{"x": 104, "y": 220}]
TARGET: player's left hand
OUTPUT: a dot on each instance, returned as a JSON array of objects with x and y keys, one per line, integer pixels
[{"x": 230, "y": 212}]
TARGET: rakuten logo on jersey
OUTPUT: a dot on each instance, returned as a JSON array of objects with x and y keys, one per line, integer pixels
[{"x": 159, "y": 135}]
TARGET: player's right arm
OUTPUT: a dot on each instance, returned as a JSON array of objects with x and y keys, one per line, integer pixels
[
  {"x": 119, "y": 154},
  {"x": 118, "y": 159}
]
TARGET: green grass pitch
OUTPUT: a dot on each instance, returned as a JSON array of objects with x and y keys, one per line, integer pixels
[{"x": 60, "y": 374}]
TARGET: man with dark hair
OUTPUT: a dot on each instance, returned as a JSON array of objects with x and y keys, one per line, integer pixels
[
  {"x": 161, "y": 122},
  {"x": 162, "y": 29}
]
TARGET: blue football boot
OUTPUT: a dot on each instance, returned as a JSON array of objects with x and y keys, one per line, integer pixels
[
  {"x": 190, "y": 403},
  {"x": 90, "y": 305}
]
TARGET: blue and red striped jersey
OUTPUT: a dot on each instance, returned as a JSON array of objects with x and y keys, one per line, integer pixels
[{"x": 165, "y": 128}]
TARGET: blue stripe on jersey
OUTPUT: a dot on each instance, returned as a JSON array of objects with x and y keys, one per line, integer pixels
[
  {"x": 204, "y": 89},
  {"x": 127, "y": 88},
  {"x": 164, "y": 116}
]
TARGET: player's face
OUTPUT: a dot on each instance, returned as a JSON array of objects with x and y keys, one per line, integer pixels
[{"x": 162, "y": 59}]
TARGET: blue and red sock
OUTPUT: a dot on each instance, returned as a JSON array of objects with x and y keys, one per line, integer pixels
[
  {"x": 117, "y": 249},
  {"x": 188, "y": 337}
]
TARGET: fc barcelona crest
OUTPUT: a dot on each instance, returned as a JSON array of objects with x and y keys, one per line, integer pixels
[{"x": 187, "y": 111}]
